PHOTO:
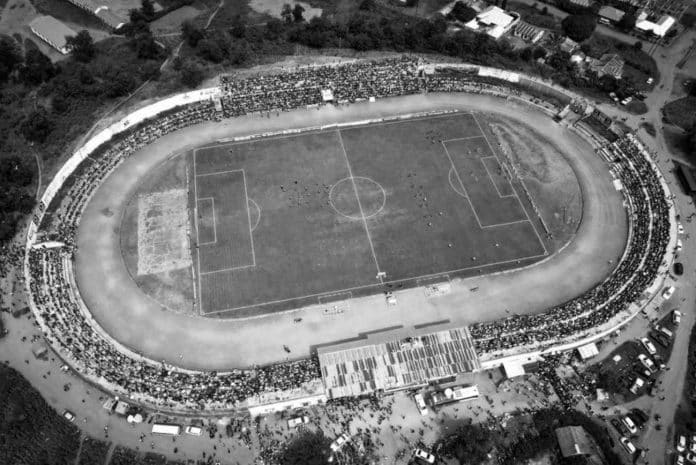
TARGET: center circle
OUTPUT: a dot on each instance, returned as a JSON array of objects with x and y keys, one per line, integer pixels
[{"x": 357, "y": 197}]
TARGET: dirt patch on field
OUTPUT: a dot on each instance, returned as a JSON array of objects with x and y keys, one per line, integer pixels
[
  {"x": 546, "y": 174},
  {"x": 155, "y": 237}
]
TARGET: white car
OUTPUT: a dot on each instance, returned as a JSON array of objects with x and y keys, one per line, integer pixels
[
  {"x": 424, "y": 456},
  {"x": 647, "y": 363},
  {"x": 681, "y": 444},
  {"x": 193, "y": 430},
  {"x": 679, "y": 245},
  {"x": 650, "y": 81},
  {"x": 630, "y": 426},
  {"x": 339, "y": 441},
  {"x": 68, "y": 415},
  {"x": 649, "y": 346},
  {"x": 680, "y": 460},
  {"x": 628, "y": 445},
  {"x": 676, "y": 317},
  {"x": 420, "y": 403},
  {"x": 637, "y": 384},
  {"x": 667, "y": 293},
  {"x": 297, "y": 421},
  {"x": 680, "y": 228}
]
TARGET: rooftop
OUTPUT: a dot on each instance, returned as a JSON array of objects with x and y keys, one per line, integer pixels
[
  {"x": 52, "y": 31},
  {"x": 611, "y": 13}
]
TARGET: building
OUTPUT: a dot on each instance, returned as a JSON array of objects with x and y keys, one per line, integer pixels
[
  {"x": 574, "y": 441},
  {"x": 101, "y": 11},
  {"x": 493, "y": 21},
  {"x": 568, "y": 45},
  {"x": 609, "y": 64},
  {"x": 53, "y": 32},
  {"x": 658, "y": 28},
  {"x": 580, "y": 3},
  {"x": 395, "y": 360},
  {"x": 528, "y": 32},
  {"x": 610, "y": 15}
]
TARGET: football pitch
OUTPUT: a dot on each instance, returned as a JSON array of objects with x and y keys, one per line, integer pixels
[{"x": 320, "y": 217}]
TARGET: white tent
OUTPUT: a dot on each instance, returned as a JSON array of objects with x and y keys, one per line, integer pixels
[{"x": 588, "y": 351}]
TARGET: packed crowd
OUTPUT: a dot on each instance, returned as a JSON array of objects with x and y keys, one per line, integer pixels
[{"x": 67, "y": 321}]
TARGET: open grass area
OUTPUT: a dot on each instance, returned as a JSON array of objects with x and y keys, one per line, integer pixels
[
  {"x": 293, "y": 220},
  {"x": 681, "y": 112}
]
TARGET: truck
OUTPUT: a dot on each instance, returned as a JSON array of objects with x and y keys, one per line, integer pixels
[
  {"x": 451, "y": 395},
  {"x": 167, "y": 429}
]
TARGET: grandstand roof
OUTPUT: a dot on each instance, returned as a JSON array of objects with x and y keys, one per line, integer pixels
[
  {"x": 52, "y": 32},
  {"x": 396, "y": 360},
  {"x": 493, "y": 21}
]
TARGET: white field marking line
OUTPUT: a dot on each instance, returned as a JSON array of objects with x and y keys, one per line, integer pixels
[
  {"x": 483, "y": 162},
  {"x": 463, "y": 138},
  {"x": 258, "y": 209},
  {"x": 357, "y": 196},
  {"x": 246, "y": 204},
  {"x": 449, "y": 179},
  {"x": 327, "y": 131},
  {"x": 506, "y": 224},
  {"x": 223, "y": 270},
  {"x": 367, "y": 286},
  {"x": 546, "y": 252},
  {"x": 335, "y": 294},
  {"x": 356, "y": 218},
  {"x": 454, "y": 169},
  {"x": 198, "y": 252},
  {"x": 212, "y": 201},
  {"x": 219, "y": 172}
]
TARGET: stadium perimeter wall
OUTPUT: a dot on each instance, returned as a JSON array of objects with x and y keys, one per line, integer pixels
[{"x": 153, "y": 110}]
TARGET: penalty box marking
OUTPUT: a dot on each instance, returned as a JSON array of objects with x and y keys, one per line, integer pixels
[
  {"x": 212, "y": 212},
  {"x": 246, "y": 206},
  {"x": 368, "y": 286}
]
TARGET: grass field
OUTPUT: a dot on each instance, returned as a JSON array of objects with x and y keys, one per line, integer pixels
[{"x": 313, "y": 218}]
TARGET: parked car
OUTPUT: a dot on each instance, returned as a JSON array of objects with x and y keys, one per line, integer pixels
[
  {"x": 649, "y": 346},
  {"x": 68, "y": 415},
  {"x": 676, "y": 317},
  {"x": 679, "y": 245},
  {"x": 630, "y": 426},
  {"x": 193, "y": 430},
  {"x": 637, "y": 384},
  {"x": 628, "y": 445},
  {"x": 426, "y": 457},
  {"x": 297, "y": 421},
  {"x": 639, "y": 417},
  {"x": 667, "y": 293},
  {"x": 339, "y": 441},
  {"x": 647, "y": 363},
  {"x": 420, "y": 403},
  {"x": 678, "y": 268}
]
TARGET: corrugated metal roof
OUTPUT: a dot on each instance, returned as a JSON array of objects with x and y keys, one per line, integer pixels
[{"x": 51, "y": 30}]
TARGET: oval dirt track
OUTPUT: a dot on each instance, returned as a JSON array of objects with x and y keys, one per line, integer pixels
[{"x": 139, "y": 323}]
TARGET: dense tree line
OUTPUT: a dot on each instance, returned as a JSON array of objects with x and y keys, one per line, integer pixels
[{"x": 44, "y": 107}]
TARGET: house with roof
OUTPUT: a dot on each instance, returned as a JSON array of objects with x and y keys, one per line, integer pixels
[
  {"x": 568, "y": 45},
  {"x": 609, "y": 64},
  {"x": 610, "y": 15},
  {"x": 575, "y": 442},
  {"x": 101, "y": 11},
  {"x": 580, "y": 3},
  {"x": 53, "y": 32},
  {"x": 493, "y": 21},
  {"x": 660, "y": 27}
]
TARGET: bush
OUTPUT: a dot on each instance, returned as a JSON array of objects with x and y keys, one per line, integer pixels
[
  {"x": 579, "y": 27},
  {"x": 191, "y": 74}
]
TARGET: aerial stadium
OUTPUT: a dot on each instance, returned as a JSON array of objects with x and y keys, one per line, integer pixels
[{"x": 340, "y": 230}]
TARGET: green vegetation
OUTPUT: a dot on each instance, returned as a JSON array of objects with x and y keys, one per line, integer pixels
[
  {"x": 579, "y": 27},
  {"x": 93, "y": 451},
  {"x": 533, "y": 436},
  {"x": 31, "y": 432},
  {"x": 45, "y": 108},
  {"x": 682, "y": 112},
  {"x": 306, "y": 448}
]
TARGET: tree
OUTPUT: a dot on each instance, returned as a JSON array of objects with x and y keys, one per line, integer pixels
[
  {"x": 37, "y": 68},
  {"x": 286, "y": 13},
  {"x": 638, "y": 46},
  {"x": 238, "y": 28},
  {"x": 148, "y": 9},
  {"x": 191, "y": 74},
  {"x": 306, "y": 448},
  {"x": 145, "y": 46},
  {"x": 367, "y": 5},
  {"x": 462, "y": 12},
  {"x": 274, "y": 29},
  {"x": 37, "y": 126},
  {"x": 627, "y": 22},
  {"x": 81, "y": 46},
  {"x": 297, "y": 13},
  {"x": 504, "y": 5},
  {"x": 579, "y": 27},
  {"x": 191, "y": 33},
  {"x": 10, "y": 57}
]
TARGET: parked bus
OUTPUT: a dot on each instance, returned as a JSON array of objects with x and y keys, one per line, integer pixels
[{"x": 162, "y": 428}]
